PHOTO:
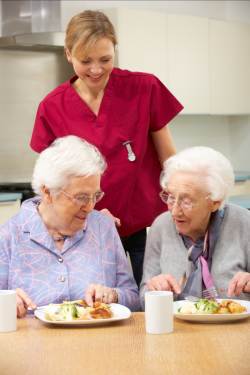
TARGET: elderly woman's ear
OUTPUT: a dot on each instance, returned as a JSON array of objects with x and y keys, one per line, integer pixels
[
  {"x": 215, "y": 205},
  {"x": 46, "y": 195}
]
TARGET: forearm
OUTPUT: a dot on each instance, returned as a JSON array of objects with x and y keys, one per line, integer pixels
[
  {"x": 163, "y": 144},
  {"x": 4, "y": 270},
  {"x": 125, "y": 284},
  {"x": 128, "y": 297},
  {"x": 143, "y": 290},
  {"x": 151, "y": 266}
]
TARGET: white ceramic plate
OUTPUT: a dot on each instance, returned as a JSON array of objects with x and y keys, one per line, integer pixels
[
  {"x": 212, "y": 318},
  {"x": 121, "y": 312}
]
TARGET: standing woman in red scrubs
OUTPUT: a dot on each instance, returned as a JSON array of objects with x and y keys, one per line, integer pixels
[{"x": 125, "y": 115}]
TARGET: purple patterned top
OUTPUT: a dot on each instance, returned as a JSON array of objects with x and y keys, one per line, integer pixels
[{"x": 29, "y": 259}]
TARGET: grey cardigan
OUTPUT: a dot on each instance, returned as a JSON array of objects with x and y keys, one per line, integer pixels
[{"x": 166, "y": 253}]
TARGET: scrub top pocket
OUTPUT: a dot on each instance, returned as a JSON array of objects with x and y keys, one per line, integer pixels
[{"x": 128, "y": 123}]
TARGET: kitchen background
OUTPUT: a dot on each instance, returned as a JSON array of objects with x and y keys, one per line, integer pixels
[{"x": 199, "y": 49}]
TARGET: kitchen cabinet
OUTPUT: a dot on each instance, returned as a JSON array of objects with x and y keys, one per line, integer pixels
[
  {"x": 142, "y": 37},
  {"x": 9, "y": 205},
  {"x": 241, "y": 184},
  {"x": 230, "y": 67},
  {"x": 188, "y": 62},
  {"x": 204, "y": 63}
]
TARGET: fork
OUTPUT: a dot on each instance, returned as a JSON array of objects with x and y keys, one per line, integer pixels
[
  {"x": 38, "y": 308},
  {"x": 210, "y": 293}
]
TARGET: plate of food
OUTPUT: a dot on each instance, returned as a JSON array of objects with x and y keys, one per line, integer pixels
[
  {"x": 212, "y": 311},
  {"x": 78, "y": 313}
]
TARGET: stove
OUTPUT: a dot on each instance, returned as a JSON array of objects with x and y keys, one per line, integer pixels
[{"x": 18, "y": 187}]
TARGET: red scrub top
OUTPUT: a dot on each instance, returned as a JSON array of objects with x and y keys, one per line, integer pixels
[{"x": 133, "y": 105}]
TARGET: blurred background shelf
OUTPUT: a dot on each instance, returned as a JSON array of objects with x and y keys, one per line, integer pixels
[
  {"x": 9, "y": 205},
  {"x": 241, "y": 200}
]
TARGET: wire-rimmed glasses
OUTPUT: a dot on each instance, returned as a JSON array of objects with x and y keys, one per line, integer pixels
[
  {"x": 84, "y": 199},
  {"x": 170, "y": 201}
]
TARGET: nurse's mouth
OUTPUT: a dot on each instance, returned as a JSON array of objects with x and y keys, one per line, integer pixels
[{"x": 94, "y": 78}]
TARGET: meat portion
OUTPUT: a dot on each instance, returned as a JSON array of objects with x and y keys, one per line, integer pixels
[
  {"x": 98, "y": 304},
  {"x": 235, "y": 308},
  {"x": 225, "y": 303},
  {"x": 230, "y": 307},
  {"x": 101, "y": 313},
  {"x": 223, "y": 310}
]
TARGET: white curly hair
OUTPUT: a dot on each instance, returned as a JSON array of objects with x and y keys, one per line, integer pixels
[
  {"x": 64, "y": 159},
  {"x": 211, "y": 166}
]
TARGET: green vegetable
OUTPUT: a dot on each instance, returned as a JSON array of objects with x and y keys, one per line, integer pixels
[
  {"x": 205, "y": 307},
  {"x": 179, "y": 309},
  {"x": 68, "y": 312}
]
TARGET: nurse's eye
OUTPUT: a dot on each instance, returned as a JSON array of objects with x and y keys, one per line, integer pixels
[
  {"x": 106, "y": 60},
  {"x": 84, "y": 62}
]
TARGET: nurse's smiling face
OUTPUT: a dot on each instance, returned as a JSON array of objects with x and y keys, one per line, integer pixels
[{"x": 95, "y": 69}]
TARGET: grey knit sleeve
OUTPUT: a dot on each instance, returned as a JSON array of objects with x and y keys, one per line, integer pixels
[{"x": 151, "y": 265}]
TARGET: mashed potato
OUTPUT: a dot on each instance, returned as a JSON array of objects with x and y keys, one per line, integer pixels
[
  {"x": 50, "y": 315},
  {"x": 82, "y": 311},
  {"x": 189, "y": 308}
]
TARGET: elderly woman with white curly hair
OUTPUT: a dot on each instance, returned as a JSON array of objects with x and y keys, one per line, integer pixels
[
  {"x": 58, "y": 248},
  {"x": 201, "y": 242}
]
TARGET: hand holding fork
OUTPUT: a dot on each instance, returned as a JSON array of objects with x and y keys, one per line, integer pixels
[{"x": 239, "y": 283}]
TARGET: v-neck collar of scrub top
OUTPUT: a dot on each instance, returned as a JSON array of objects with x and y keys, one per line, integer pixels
[
  {"x": 32, "y": 223},
  {"x": 98, "y": 121}
]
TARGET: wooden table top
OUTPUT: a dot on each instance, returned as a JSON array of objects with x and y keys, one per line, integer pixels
[{"x": 124, "y": 347}]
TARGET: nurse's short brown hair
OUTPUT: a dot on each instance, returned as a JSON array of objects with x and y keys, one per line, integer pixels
[{"x": 85, "y": 29}]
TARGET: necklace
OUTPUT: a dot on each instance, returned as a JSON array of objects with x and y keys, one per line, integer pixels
[
  {"x": 55, "y": 239},
  {"x": 60, "y": 238}
]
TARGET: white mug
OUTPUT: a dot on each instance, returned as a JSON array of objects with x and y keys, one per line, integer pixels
[
  {"x": 159, "y": 312},
  {"x": 8, "y": 312}
]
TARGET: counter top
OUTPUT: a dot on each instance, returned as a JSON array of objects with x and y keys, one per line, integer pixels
[
  {"x": 241, "y": 200},
  {"x": 241, "y": 176},
  {"x": 10, "y": 196}
]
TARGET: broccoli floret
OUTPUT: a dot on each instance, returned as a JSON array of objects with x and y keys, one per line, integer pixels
[
  {"x": 201, "y": 304},
  {"x": 214, "y": 301},
  {"x": 205, "y": 307},
  {"x": 68, "y": 312}
]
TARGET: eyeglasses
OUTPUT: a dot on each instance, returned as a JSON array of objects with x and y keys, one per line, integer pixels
[
  {"x": 84, "y": 199},
  {"x": 184, "y": 205}
]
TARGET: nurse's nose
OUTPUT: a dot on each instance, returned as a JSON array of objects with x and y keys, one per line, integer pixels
[{"x": 96, "y": 69}]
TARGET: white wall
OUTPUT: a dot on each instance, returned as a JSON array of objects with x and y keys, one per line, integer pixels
[
  {"x": 228, "y": 134},
  {"x": 199, "y": 130},
  {"x": 238, "y": 11},
  {"x": 239, "y": 130},
  {"x": 0, "y": 19}
]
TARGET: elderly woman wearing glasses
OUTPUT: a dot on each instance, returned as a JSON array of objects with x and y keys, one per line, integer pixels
[
  {"x": 201, "y": 242},
  {"x": 58, "y": 248}
]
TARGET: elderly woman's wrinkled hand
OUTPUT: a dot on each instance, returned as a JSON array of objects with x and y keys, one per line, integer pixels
[
  {"x": 115, "y": 219},
  {"x": 164, "y": 282},
  {"x": 100, "y": 293},
  {"x": 239, "y": 283},
  {"x": 23, "y": 301}
]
